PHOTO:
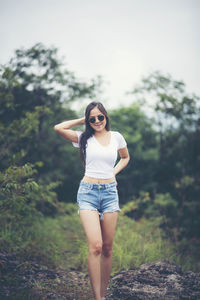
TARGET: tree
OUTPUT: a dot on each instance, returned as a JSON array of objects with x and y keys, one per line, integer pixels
[
  {"x": 36, "y": 91},
  {"x": 141, "y": 138},
  {"x": 178, "y": 170}
]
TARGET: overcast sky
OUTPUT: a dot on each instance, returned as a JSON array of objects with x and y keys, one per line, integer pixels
[{"x": 121, "y": 40}]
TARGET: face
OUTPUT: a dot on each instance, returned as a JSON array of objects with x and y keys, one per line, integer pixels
[{"x": 98, "y": 125}]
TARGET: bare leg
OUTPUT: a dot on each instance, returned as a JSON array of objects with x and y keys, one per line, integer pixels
[
  {"x": 108, "y": 225},
  {"x": 91, "y": 225}
]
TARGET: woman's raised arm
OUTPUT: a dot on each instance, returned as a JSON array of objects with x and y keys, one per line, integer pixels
[{"x": 64, "y": 129}]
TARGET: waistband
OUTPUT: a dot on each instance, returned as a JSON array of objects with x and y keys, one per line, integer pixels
[{"x": 95, "y": 185}]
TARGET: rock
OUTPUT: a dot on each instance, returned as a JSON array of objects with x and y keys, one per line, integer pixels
[
  {"x": 160, "y": 280},
  {"x": 28, "y": 280}
]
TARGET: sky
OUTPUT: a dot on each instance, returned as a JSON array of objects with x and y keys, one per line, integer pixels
[{"x": 121, "y": 40}]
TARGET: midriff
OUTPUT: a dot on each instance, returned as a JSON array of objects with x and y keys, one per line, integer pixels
[{"x": 97, "y": 180}]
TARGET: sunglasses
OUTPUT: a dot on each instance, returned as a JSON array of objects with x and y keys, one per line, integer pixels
[{"x": 93, "y": 119}]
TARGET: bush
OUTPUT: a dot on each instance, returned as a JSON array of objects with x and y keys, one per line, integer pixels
[{"x": 23, "y": 202}]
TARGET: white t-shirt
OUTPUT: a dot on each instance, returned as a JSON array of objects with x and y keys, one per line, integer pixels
[{"x": 100, "y": 160}]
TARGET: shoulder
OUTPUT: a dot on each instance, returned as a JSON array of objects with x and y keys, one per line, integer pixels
[
  {"x": 116, "y": 134},
  {"x": 79, "y": 133},
  {"x": 119, "y": 138}
]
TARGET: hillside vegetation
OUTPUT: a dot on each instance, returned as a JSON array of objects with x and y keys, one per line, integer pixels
[{"x": 40, "y": 171}]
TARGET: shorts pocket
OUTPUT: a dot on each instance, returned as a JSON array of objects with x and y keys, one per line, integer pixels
[
  {"x": 112, "y": 189},
  {"x": 84, "y": 189}
]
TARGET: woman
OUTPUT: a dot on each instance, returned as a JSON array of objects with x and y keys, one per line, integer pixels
[{"x": 97, "y": 195}]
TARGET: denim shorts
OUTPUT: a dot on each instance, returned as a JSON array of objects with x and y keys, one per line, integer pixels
[{"x": 100, "y": 197}]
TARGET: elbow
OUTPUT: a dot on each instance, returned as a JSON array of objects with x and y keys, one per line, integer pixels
[
  {"x": 56, "y": 128},
  {"x": 126, "y": 160}
]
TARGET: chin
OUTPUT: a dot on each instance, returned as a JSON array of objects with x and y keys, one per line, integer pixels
[{"x": 100, "y": 128}]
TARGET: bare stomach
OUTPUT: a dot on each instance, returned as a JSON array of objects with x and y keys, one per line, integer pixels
[{"x": 97, "y": 180}]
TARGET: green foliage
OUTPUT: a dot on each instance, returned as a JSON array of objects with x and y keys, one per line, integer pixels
[
  {"x": 16, "y": 136},
  {"x": 17, "y": 203},
  {"x": 177, "y": 121},
  {"x": 61, "y": 242},
  {"x": 175, "y": 218},
  {"x": 170, "y": 101},
  {"x": 40, "y": 69},
  {"x": 144, "y": 244},
  {"x": 143, "y": 148},
  {"x": 22, "y": 199},
  {"x": 36, "y": 91},
  {"x": 162, "y": 180}
]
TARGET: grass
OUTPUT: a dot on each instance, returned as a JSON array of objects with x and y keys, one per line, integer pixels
[{"x": 61, "y": 242}]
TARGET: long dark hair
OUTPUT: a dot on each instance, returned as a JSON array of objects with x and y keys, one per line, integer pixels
[{"x": 89, "y": 131}]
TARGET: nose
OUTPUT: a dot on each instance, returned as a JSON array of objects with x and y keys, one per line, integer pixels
[{"x": 97, "y": 120}]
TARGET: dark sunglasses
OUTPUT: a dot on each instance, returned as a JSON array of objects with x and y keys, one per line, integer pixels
[{"x": 93, "y": 119}]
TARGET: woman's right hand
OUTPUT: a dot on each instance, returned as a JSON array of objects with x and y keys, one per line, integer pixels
[{"x": 82, "y": 120}]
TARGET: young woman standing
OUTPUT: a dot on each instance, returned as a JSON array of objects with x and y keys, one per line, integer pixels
[{"x": 97, "y": 194}]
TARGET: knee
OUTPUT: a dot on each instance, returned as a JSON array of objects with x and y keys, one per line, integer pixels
[
  {"x": 107, "y": 249},
  {"x": 96, "y": 248}
]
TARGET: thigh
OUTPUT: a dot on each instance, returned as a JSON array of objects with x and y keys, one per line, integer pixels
[
  {"x": 108, "y": 226},
  {"x": 91, "y": 224}
]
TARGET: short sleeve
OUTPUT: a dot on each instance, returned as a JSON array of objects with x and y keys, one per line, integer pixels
[
  {"x": 121, "y": 141},
  {"x": 79, "y": 136}
]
